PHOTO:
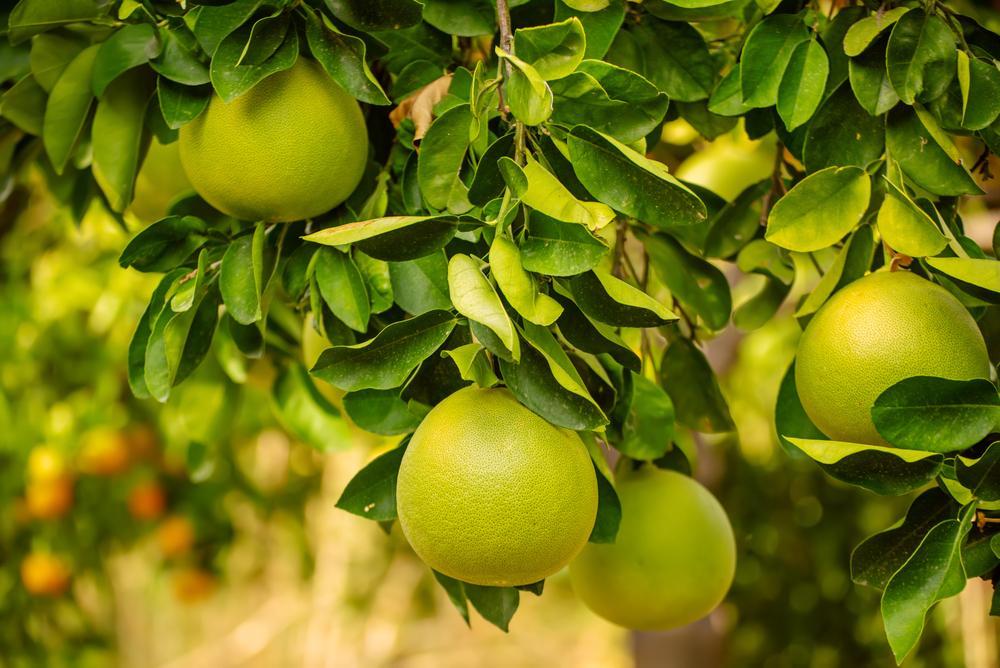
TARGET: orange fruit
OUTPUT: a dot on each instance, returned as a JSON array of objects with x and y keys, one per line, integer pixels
[
  {"x": 104, "y": 452},
  {"x": 45, "y": 463},
  {"x": 672, "y": 562},
  {"x": 147, "y": 501},
  {"x": 49, "y": 499},
  {"x": 873, "y": 333},
  {"x": 192, "y": 584},
  {"x": 44, "y": 574},
  {"x": 175, "y": 536},
  {"x": 292, "y": 147},
  {"x": 490, "y": 493}
]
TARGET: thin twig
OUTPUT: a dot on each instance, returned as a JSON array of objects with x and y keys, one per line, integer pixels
[
  {"x": 507, "y": 44},
  {"x": 777, "y": 185}
]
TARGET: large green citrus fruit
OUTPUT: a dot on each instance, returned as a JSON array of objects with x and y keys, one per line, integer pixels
[
  {"x": 292, "y": 147},
  {"x": 492, "y": 494},
  {"x": 729, "y": 165},
  {"x": 672, "y": 562},
  {"x": 160, "y": 181},
  {"x": 874, "y": 333}
]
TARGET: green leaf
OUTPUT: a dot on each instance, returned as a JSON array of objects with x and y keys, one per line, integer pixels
[
  {"x": 528, "y": 95},
  {"x": 887, "y": 471},
  {"x": 30, "y": 17},
  {"x": 981, "y": 476},
  {"x": 978, "y": 272},
  {"x": 51, "y": 54},
  {"x": 475, "y": 298},
  {"x": 842, "y": 133},
  {"x": 601, "y": 21},
  {"x": 870, "y": 82},
  {"x": 613, "y": 301},
  {"x": 648, "y": 429},
  {"x": 68, "y": 109},
  {"x": 547, "y": 194},
  {"x": 442, "y": 153},
  {"x": 936, "y": 414},
  {"x": 592, "y": 336},
  {"x": 371, "y": 493},
  {"x": 863, "y": 33},
  {"x": 421, "y": 285},
  {"x": 820, "y": 210},
  {"x": 758, "y": 310},
  {"x": 878, "y": 557},
  {"x": 380, "y": 412},
  {"x": 518, "y": 286},
  {"x": 181, "y": 104},
  {"x": 473, "y": 364},
  {"x": 727, "y": 98},
  {"x": 983, "y": 106},
  {"x": 693, "y": 388},
  {"x": 790, "y": 419},
  {"x": 736, "y": 223},
  {"x": 393, "y": 238},
  {"x": 488, "y": 183},
  {"x": 231, "y": 79},
  {"x": 179, "y": 60},
  {"x": 117, "y": 136},
  {"x": 371, "y": 15},
  {"x": 926, "y": 155},
  {"x": 214, "y": 23},
  {"x": 165, "y": 244},
  {"x": 554, "y": 50},
  {"x": 306, "y": 413},
  {"x": 556, "y": 248},
  {"x": 466, "y": 18},
  {"x": 143, "y": 331},
  {"x": 676, "y": 59},
  {"x": 384, "y": 362},
  {"x": 766, "y": 54},
  {"x": 609, "y": 99},
  {"x": 236, "y": 281},
  {"x": 696, "y": 283},
  {"x": 540, "y": 383},
  {"x": 497, "y": 605},
  {"x": 932, "y": 573},
  {"x": 343, "y": 288},
  {"x": 609, "y": 506},
  {"x": 920, "y": 57},
  {"x": 851, "y": 263},
  {"x": 455, "y": 589},
  {"x": 23, "y": 104},
  {"x": 343, "y": 58},
  {"x": 131, "y": 46},
  {"x": 802, "y": 85},
  {"x": 631, "y": 183},
  {"x": 906, "y": 227}
]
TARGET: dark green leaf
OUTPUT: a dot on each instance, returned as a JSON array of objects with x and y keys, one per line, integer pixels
[
  {"x": 23, "y": 104},
  {"x": 675, "y": 59},
  {"x": 394, "y": 238},
  {"x": 556, "y": 248},
  {"x": 613, "y": 301},
  {"x": 925, "y": 154},
  {"x": 766, "y": 54},
  {"x": 30, "y": 17},
  {"x": 921, "y": 56},
  {"x": 380, "y": 412},
  {"x": 693, "y": 388},
  {"x": 178, "y": 60},
  {"x": 343, "y": 58},
  {"x": 442, "y": 153},
  {"x": 981, "y": 476},
  {"x": 371, "y": 493},
  {"x": 455, "y": 589},
  {"x": 802, "y": 85},
  {"x": 306, "y": 413},
  {"x": 51, "y": 53},
  {"x": 497, "y": 605},
  {"x": 68, "y": 109},
  {"x": 870, "y": 82},
  {"x": 236, "y": 281},
  {"x": 117, "y": 135},
  {"x": 131, "y": 46},
  {"x": 696, "y": 283},
  {"x": 343, "y": 288},
  {"x": 181, "y": 104},
  {"x": 600, "y": 25},
  {"x": 230, "y": 79},
  {"x": 648, "y": 429},
  {"x": 790, "y": 419},
  {"x": 164, "y": 244},
  {"x": 843, "y": 133},
  {"x": 421, "y": 285}
]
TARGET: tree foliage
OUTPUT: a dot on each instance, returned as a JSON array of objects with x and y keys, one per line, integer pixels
[{"x": 515, "y": 226}]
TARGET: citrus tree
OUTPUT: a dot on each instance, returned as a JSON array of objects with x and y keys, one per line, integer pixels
[{"x": 449, "y": 221}]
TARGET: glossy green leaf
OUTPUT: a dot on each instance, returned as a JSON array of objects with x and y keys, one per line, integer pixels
[
  {"x": 518, "y": 286},
  {"x": 926, "y": 155},
  {"x": 592, "y": 336},
  {"x": 343, "y": 288},
  {"x": 601, "y": 21},
  {"x": 181, "y": 104},
  {"x": 380, "y": 412},
  {"x": 921, "y": 56},
  {"x": 179, "y": 60},
  {"x": 68, "y": 109},
  {"x": 131, "y": 46},
  {"x": 214, "y": 23},
  {"x": 790, "y": 419},
  {"x": 371, "y": 493},
  {"x": 889, "y": 471},
  {"x": 820, "y": 210},
  {"x": 236, "y": 281},
  {"x": 343, "y": 57},
  {"x": 497, "y": 605},
  {"x": 371, "y": 15},
  {"x": 165, "y": 244},
  {"x": 676, "y": 59},
  {"x": 528, "y": 95},
  {"x": 475, "y": 298},
  {"x": 613, "y": 301},
  {"x": 442, "y": 153},
  {"x": 631, "y": 183},
  {"x": 466, "y": 18},
  {"x": 385, "y": 361},
  {"x": 648, "y": 429},
  {"x": 932, "y": 573},
  {"x": 906, "y": 227},
  {"x": 555, "y": 248},
  {"x": 51, "y": 53},
  {"x": 981, "y": 476},
  {"x": 117, "y": 136},
  {"x": 306, "y": 413},
  {"x": 393, "y": 238},
  {"x": 23, "y": 104},
  {"x": 842, "y": 133},
  {"x": 936, "y": 414},
  {"x": 421, "y": 285},
  {"x": 554, "y": 50},
  {"x": 30, "y": 17},
  {"x": 230, "y": 79},
  {"x": 693, "y": 388},
  {"x": 977, "y": 272},
  {"x": 547, "y": 194},
  {"x": 983, "y": 106},
  {"x": 802, "y": 85},
  {"x": 861, "y": 34},
  {"x": 766, "y": 53},
  {"x": 851, "y": 263},
  {"x": 696, "y": 283},
  {"x": 870, "y": 82}
]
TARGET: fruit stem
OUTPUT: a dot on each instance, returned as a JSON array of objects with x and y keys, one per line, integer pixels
[{"x": 982, "y": 520}]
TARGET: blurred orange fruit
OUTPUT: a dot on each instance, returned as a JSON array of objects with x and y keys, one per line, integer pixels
[
  {"x": 175, "y": 536},
  {"x": 49, "y": 499},
  {"x": 103, "y": 451},
  {"x": 192, "y": 584},
  {"x": 45, "y": 463},
  {"x": 44, "y": 574},
  {"x": 147, "y": 500},
  {"x": 143, "y": 441}
]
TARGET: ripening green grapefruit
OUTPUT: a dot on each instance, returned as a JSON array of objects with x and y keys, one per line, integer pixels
[
  {"x": 292, "y": 147},
  {"x": 492, "y": 494},
  {"x": 672, "y": 562},
  {"x": 870, "y": 335},
  {"x": 160, "y": 181}
]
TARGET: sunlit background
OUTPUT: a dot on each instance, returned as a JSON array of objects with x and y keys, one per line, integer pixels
[{"x": 200, "y": 533}]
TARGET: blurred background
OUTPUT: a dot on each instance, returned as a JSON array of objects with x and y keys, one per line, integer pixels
[{"x": 201, "y": 533}]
